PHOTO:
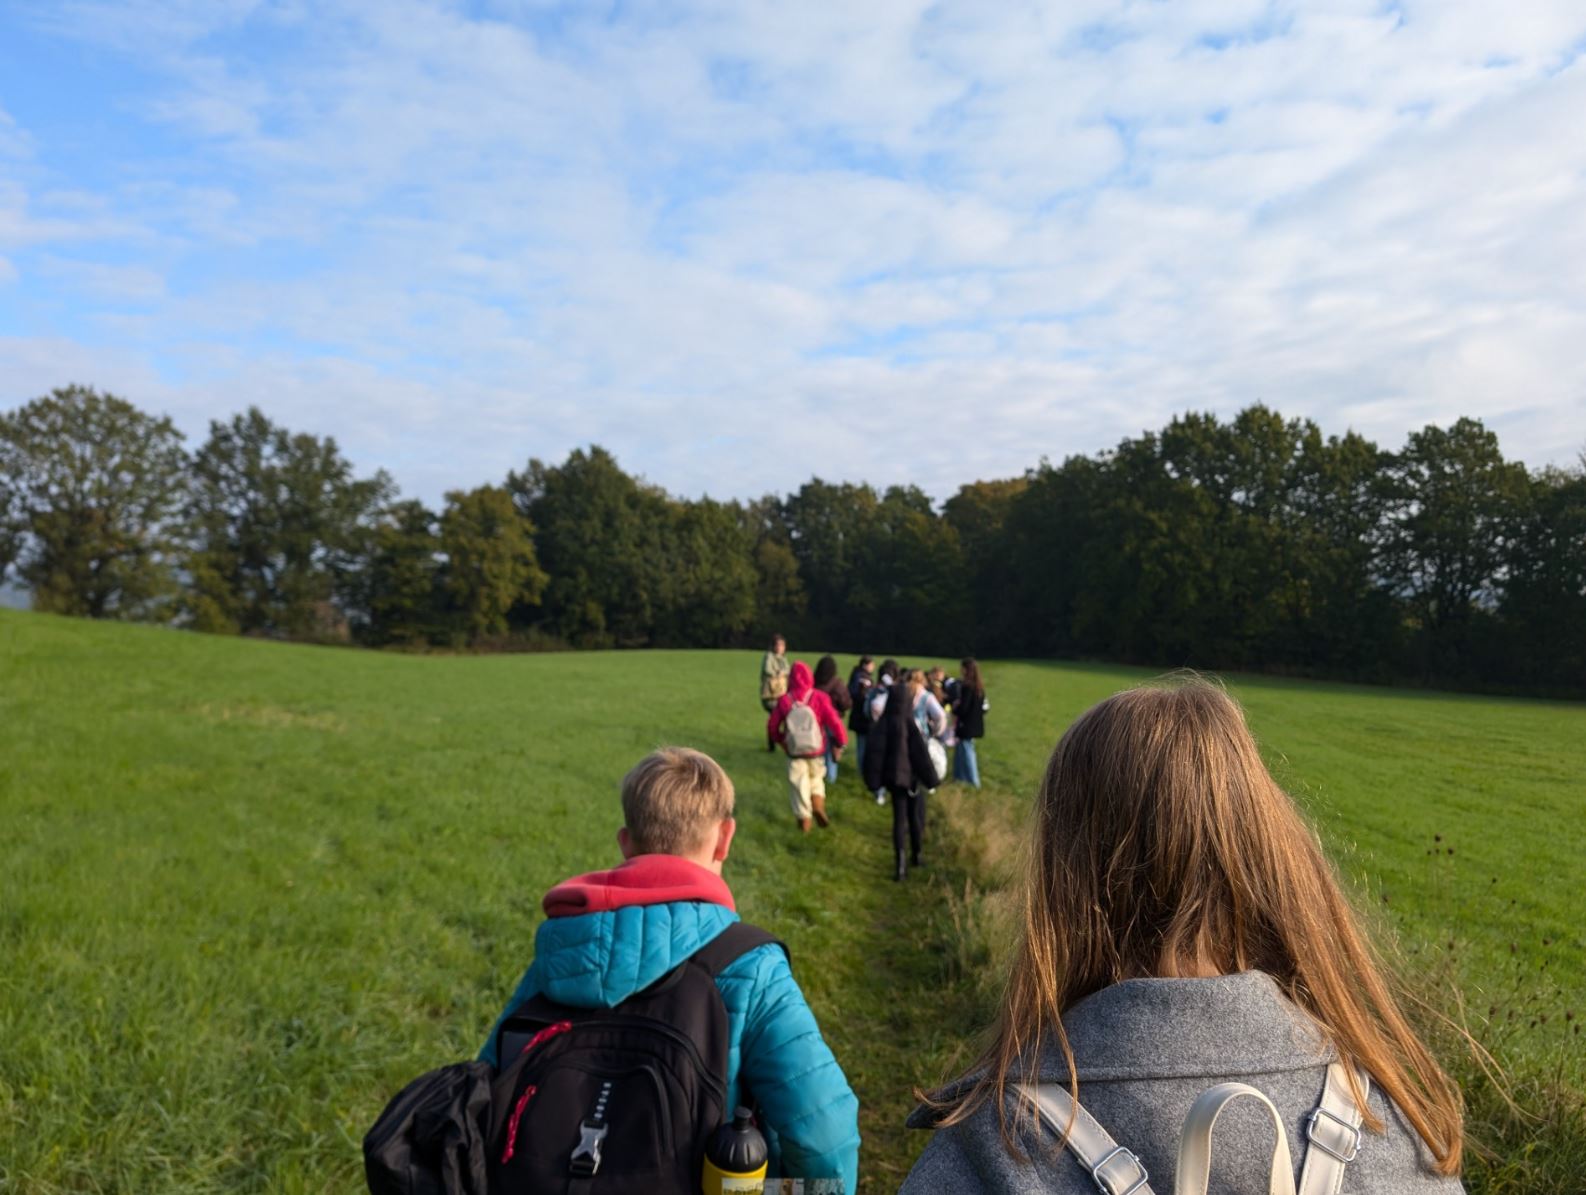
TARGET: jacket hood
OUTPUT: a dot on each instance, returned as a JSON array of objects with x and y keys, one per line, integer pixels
[
  {"x": 801, "y": 681},
  {"x": 642, "y": 880},
  {"x": 610, "y": 933}
]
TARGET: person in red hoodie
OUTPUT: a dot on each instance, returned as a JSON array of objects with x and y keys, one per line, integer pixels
[{"x": 803, "y": 721}]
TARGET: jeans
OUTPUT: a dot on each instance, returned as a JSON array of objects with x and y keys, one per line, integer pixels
[
  {"x": 965, "y": 766},
  {"x": 831, "y": 764},
  {"x": 859, "y": 751}
]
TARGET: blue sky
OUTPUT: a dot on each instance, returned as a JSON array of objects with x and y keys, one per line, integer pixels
[{"x": 741, "y": 244}]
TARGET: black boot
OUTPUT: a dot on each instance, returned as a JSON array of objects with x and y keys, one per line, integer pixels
[
  {"x": 903, "y": 868},
  {"x": 914, "y": 858}
]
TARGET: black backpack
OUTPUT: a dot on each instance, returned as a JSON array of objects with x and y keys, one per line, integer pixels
[{"x": 606, "y": 1101}]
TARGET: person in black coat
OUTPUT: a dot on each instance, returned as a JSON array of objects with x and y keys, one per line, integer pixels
[
  {"x": 859, "y": 682},
  {"x": 897, "y": 760}
]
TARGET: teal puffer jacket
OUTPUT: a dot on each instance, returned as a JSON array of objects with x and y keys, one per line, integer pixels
[{"x": 777, "y": 1057}]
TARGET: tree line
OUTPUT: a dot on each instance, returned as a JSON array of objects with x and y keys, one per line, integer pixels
[{"x": 1251, "y": 543}]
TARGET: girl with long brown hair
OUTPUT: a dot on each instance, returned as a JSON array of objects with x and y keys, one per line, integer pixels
[
  {"x": 1182, "y": 928},
  {"x": 969, "y": 721}
]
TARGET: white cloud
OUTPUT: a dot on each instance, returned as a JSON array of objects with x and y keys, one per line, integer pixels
[
  {"x": 117, "y": 283},
  {"x": 745, "y": 243},
  {"x": 14, "y": 141}
]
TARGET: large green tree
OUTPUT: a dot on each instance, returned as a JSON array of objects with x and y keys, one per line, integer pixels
[
  {"x": 1454, "y": 508},
  {"x": 978, "y": 515},
  {"x": 490, "y": 564},
  {"x": 709, "y": 590},
  {"x": 1544, "y": 600},
  {"x": 401, "y": 592},
  {"x": 1344, "y": 620},
  {"x": 827, "y": 526},
  {"x": 908, "y": 592},
  {"x": 11, "y": 526},
  {"x": 780, "y": 602},
  {"x": 601, "y": 538},
  {"x": 89, "y": 490},
  {"x": 1048, "y": 547},
  {"x": 280, "y": 530}
]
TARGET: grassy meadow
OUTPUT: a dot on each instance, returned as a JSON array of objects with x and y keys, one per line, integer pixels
[{"x": 247, "y": 890}]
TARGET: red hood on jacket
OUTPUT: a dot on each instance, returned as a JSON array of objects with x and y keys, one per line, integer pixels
[
  {"x": 801, "y": 680},
  {"x": 642, "y": 880}
]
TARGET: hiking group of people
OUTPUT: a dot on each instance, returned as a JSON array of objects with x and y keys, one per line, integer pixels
[
  {"x": 1184, "y": 948},
  {"x": 901, "y": 722}
]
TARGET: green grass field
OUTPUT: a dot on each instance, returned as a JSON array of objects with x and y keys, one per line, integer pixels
[{"x": 247, "y": 890}]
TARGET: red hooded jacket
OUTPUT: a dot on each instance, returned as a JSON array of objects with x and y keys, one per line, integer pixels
[{"x": 801, "y": 687}]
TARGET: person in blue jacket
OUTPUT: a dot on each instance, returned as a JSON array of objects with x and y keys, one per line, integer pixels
[{"x": 610, "y": 933}]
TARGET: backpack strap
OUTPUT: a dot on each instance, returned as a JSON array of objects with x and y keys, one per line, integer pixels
[
  {"x": 737, "y": 940},
  {"x": 1114, "y": 1169},
  {"x": 1195, "y": 1142},
  {"x": 1333, "y": 1131}
]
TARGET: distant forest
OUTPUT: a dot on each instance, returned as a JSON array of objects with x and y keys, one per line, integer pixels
[{"x": 1255, "y": 543}]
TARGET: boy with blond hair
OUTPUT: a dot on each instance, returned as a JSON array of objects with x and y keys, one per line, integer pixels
[{"x": 611, "y": 934}]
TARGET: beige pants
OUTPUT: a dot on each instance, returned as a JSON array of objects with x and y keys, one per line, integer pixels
[{"x": 806, "y": 779}]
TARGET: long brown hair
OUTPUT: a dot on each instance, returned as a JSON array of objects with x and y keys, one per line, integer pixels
[
  {"x": 1163, "y": 847},
  {"x": 969, "y": 676}
]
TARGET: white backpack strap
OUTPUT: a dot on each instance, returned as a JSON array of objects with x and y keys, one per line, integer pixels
[
  {"x": 1333, "y": 1131},
  {"x": 1195, "y": 1143},
  {"x": 1114, "y": 1169}
]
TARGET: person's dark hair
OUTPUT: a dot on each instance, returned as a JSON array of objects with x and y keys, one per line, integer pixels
[
  {"x": 775, "y": 639},
  {"x": 825, "y": 672},
  {"x": 863, "y": 660},
  {"x": 969, "y": 676},
  {"x": 889, "y": 669}
]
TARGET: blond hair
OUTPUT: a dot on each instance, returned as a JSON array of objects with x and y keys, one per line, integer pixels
[
  {"x": 673, "y": 798},
  {"x": 1163, "y": 847}
]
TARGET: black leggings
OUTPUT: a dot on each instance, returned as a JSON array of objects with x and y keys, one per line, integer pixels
[{"x": 907, "y": 808}]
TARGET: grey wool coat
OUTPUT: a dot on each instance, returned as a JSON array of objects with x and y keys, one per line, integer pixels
[{"x": 1145, "y": 1049}]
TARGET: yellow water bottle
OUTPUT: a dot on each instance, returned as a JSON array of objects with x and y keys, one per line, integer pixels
[{"x": 735, "y": 1159}]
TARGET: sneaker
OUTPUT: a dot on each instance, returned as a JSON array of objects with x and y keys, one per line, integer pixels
[{"x": 881, "y": 798}]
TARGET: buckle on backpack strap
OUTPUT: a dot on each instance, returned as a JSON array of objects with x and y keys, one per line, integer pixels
[
  {"x": 1106, "y": 1184},
  {"x": 1353, "y": 1146},
  {"x": 586, "y": 1158}
]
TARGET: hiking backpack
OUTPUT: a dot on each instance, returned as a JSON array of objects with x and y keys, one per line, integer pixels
[
  {"x": 803, "y": 731},
  {"x": 1332, "y": 1131},
  {"x": 608, "y": 1101}
]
